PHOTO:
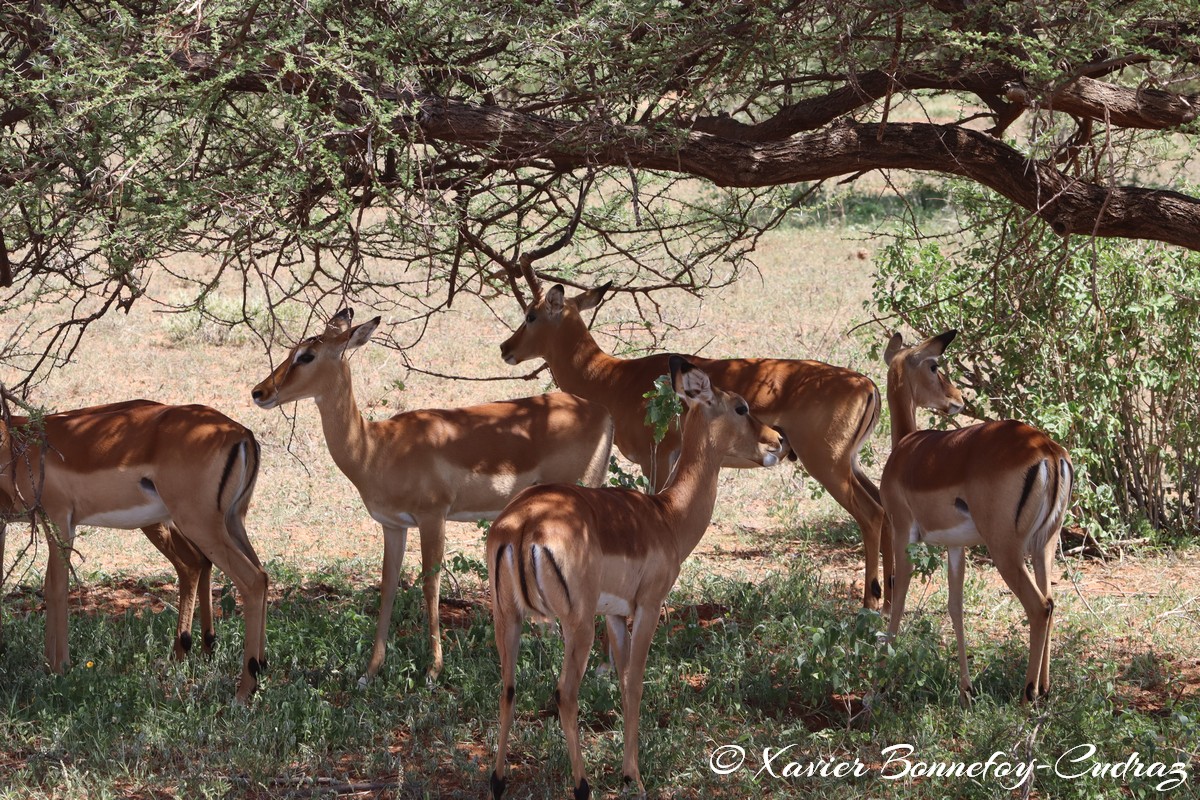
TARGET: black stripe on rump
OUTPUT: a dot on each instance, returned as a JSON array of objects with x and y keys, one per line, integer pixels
[
  {"x": 228, "y": 469},
  {"x": 1030, "y": 477},
  {"x": 558, "y": 572},
  {"x": 864, "y": 423},
  {"x": 496, "y": 570},
  {"x": 521, "y": 574}
]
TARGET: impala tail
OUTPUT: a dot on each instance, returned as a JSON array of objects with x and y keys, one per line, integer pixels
[
  {"x": 528, "y": 575},
  {"x": 1045, "y": 496},
  {"x": 238, "y": 481}
]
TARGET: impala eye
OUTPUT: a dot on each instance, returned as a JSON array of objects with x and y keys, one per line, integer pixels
[
  {"x": 305, "y": 358},
  {"x": 934, "y": 368},
  {"x": 742, "y": 410},
  {"x": 530, "y": 317}
]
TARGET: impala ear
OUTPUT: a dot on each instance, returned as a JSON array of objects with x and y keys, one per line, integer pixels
[
  {"x": 894, "y": 346},
  {"x": 592, "y": 297},
  {"x": 554, "y": 300},
  {"x": 938, "y": 344},
  {"x": 361, "y": 334},
  {"x": 340, "y": 322},
  {"x": 689, "y": 382}
]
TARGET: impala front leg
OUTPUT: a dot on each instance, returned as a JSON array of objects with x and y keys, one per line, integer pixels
[
  {"x": 59, "y": 536},
  {"x": 394, "y": 541},
  {"x": 618, "y": 638},
  {"x": 955, "y": 570},
  {"x": 433, "y": 548},
  {"x": 904, "y": 532}
]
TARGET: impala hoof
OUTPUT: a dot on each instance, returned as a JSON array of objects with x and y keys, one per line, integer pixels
[
  {"x": 363, "y": 681},
  {"x": 498, "y": 785}
]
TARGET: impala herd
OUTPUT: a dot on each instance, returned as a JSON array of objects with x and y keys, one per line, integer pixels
[{"x": 560, "y": 546}]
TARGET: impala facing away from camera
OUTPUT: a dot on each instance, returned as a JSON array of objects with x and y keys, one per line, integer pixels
[
  {"x": 571, "y": 552},
  {"x": 425, "y": 467},
  {"x": 1002, "y": 484},
  {"x": 827, "y": 412}
]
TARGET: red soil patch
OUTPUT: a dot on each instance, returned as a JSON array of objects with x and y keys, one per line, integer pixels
[
  {"x": 839, "y": 711},
  {"x": 705, "y": 614},
  {"x": 460, "y": 613}
]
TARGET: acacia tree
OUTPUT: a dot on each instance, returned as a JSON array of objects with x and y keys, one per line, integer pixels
[{"x": 405, "y": 152}]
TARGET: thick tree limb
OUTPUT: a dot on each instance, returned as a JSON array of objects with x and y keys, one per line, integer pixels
[
  {"x": 1068, "y": 204},
  {"x": 1125, "y": 107}
]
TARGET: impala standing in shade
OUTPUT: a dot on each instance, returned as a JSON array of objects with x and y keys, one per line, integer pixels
[
  {"x": 425, "y": 467},
  {"x": 1002, "y": 484},
  {"x": 183, "y": 474},
  {"x": 573, "y": 552},
  {"x": 827, "y": 412}
]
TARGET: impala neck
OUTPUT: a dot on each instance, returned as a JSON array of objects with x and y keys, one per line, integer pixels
[
  {"x": 689, "y": 498},
  {"x": 900, "y": 403},
  {"x": 578, "y": 364},
  {"x": 343, "y": 424}
]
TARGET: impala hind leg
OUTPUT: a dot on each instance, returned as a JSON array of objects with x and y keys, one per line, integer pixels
[
  {"x": 508, "y": 642},
  {"x": 853, "y": 491},
  {"x": 1042, "y": 561},
  {"x": 645, "y": 621},
  {"x": 577, "y": 643},
  {"x": 194, "y": 572},
  {"x": 227, "y": 549},
  {"x": 394, "y": 541},
  {"x": 1039, "y": 609}
]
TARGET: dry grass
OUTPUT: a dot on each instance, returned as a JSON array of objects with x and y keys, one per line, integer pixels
[
  {"x": 808, "y": 295},
  {"x": 810, "y": 291}
]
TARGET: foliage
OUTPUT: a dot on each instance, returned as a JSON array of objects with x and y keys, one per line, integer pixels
[
  {"x": 405, "y": 154},
  {"x": 663, "y": 407},
  {"x": 1093, "y": 340},
  {"x": 925, "y": 560},
  {"x": 622, "y": 478},
  {"x": 758, "y": 665}
]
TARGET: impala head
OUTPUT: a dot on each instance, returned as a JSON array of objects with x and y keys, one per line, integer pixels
[
  {"x": 918, "y": 369},
  {"x": 546, "y": 319},
  {"x": 315, "y": 363},
  {"x": 727, "y": 416}
]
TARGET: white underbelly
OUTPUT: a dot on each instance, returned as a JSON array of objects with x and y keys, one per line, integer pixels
[
  {"x": 472, "y": 516},
  {"x": 148, "y": 513},
  {"x": 399, "y": 519},
  {"x": 403, "y": 519},
  {"x": 611, "y": 604},
  {"x": 962, "y": 535}
]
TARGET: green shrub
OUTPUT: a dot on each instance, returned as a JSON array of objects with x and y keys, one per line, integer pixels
[{"x": 1093, "y": 340}]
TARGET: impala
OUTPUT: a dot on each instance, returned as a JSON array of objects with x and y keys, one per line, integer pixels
[
  {"x": 827, "y": 412},
  {"x": 573, "y": 552},
  {"x": 425, "y": 467},
  {"x": 183, "y": 474},
  {"x": 1002, "y": 484}
]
